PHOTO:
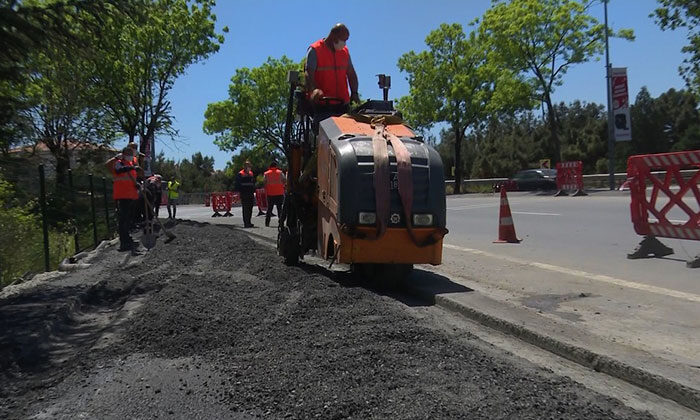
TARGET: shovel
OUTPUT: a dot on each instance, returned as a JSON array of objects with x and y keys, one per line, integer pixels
[{"x": 149, "y": 238}]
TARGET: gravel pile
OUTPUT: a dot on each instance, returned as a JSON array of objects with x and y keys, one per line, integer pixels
[{"x": 213, "y": 325}]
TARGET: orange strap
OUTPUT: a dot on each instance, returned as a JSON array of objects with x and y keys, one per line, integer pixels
[{"x": 382, "y": 191}]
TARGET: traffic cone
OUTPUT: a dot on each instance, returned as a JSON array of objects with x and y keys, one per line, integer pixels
[{"x": 506, "y": 228}]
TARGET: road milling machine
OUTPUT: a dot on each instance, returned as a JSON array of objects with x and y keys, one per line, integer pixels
[{"x": 362, "y": 187}]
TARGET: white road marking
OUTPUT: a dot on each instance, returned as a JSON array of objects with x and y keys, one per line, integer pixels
[
  {"x": 578, "y": 273},
  {"x": 536, "y": 214},
  {"x": 480, "y": 206}
]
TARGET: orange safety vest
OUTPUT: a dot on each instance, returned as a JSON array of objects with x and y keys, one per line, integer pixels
[
  {"x": 273, "y": 182},
  {"x": 331, "y": 74},
  {"x": 123, "y": 186}
]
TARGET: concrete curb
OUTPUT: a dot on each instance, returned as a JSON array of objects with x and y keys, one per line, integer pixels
[{"x": 657, "y": 384}]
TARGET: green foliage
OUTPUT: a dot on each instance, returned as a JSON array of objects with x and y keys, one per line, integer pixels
[
  {"x": 453, "y": 82},
  {"x": 21, "y": 238},
  {"x": 255, "y": 112},
  {"x": 196, "y": 174},
  {"x": 137, "y": 59},
  {"x": 541, "y": 39},
  {"x": 674, "y": 14}
]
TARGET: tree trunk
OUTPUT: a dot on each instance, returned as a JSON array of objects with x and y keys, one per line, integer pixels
[
  {"x": 554, "y": 130},
  {"x": 62, "y": 165},
  {"x": 458, "y": 160}
]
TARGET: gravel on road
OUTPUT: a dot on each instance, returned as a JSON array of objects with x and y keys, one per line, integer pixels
[{"x": 213, "y": 325}]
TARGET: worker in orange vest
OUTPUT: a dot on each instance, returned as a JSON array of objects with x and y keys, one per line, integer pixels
[
  {"x": 329, "y": 70},
  {"x": 274, "y": 189},
  {"x": 126, "y": 194}
]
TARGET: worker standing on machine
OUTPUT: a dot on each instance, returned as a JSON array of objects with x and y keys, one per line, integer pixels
[
  {"x": 245, "y": 185},
  {"x": 274, "y": 190},
  {"x": 329, "y": 70}
]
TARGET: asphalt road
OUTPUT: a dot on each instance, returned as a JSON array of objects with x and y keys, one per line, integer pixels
[{"x": 592, "y": 234}]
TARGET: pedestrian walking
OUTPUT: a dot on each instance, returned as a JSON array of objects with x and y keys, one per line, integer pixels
[
  {"x": 245, "y": 185},
  {"x": 274, "y": 190},
  {"x": 173, "y": 196}
]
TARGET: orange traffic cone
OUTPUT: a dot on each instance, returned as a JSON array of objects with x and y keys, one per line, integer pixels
[{"x": 506, "y": 228}]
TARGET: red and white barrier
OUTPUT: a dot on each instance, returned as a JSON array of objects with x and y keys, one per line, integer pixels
[
  {"x": 650, "y": 212},
  {"x": 570, "y": 178},
  {"x": 221, "y": 202},
  {"x": 261, "y": 200}
]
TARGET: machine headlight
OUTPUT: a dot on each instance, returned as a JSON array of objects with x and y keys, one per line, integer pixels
[
  {"x": 422, "y": 219},
  {"x": 367, "y": 218}
]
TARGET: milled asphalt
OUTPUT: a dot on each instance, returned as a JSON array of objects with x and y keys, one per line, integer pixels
[
  {"x": 570, "y": 271},
  {"x": 213, "y": 325}
]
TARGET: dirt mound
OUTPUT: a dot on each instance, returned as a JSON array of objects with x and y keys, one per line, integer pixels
[{"x": 280, "y": 341}]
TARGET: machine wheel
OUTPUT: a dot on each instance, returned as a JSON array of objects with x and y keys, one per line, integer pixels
[{"x": 288, "y": 246}]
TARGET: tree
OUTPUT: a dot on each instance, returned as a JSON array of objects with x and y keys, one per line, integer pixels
[
  {"x": 451, "y": 82},
  {"x": 542, "y": 39},
  {"x": 674, "y": 14},
  {"x": 65, "y": 111},
  {"x": 32, "y": 28},
  {"x": 139, "y": 57},
  {"x": 255, "y": 112}
]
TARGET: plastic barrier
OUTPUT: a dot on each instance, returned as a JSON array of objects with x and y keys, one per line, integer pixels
[
  {"x": 234, "y": 198},
  {"x": 207, "y": 200},
  {"x": 650, "y": 213},
  {"x": 220, "y": 202},
  {"x": 261, "y": 201},
  {"x": 570, "y": 177}
]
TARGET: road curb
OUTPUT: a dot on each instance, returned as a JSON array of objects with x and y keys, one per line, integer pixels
[{"x": 659, "y": 385}]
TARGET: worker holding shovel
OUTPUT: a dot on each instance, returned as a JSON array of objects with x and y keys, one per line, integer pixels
[{"x": 126, "y": 194}]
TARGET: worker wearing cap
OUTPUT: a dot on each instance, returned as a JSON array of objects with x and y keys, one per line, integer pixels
[
  {"x": 125, "y": 193},
  {"x": 329, "y": 69},
  {"x": 173, "y": 196},
  {"x": 274, "y": 190},
  {"x": 245, "y": 185}
]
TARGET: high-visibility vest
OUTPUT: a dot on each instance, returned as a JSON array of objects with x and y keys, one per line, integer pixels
[
  {"x": 273, "y": 182},
  {"x": 331, "y": 74},
  {"x": 173, "y": 189},
  {"x": 123, "y": 187}
]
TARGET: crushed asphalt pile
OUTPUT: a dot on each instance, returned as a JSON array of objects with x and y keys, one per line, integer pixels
[{"x": 213, "y": 325}]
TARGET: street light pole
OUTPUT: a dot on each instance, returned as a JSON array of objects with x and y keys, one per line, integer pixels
[{"x": 611, "y": 128}]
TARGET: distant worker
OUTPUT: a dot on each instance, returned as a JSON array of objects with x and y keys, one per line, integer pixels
[
  {"x": 125, "y": 193},
  {"x": 245, "y": 185},
  {"x": 173, "y": 196},
  {"x": 154, "y": 186},
  {"x": 274, "y": 189},
  {"x": 329, "y": 70}
]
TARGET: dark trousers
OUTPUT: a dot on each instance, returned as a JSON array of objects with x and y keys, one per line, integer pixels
[
  {"x": 125, "y": 209},
  {"x": 273, "y": 200},
  {"x": 247, "y": 202}
]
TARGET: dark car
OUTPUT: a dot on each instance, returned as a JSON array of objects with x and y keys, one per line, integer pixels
[{"x": 531, "y": 180}]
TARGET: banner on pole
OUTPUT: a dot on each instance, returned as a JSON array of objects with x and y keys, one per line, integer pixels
[{"x": 621, "y": 105}]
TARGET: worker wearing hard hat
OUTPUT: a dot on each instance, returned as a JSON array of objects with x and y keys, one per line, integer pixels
[{"x": 329, "y": 69}]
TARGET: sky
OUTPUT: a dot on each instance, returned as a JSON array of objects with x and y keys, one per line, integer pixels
[{"x": 380, "y": 32}]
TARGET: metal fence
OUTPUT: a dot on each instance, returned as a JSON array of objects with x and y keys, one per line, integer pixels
[{"x": 75, "y": 215}]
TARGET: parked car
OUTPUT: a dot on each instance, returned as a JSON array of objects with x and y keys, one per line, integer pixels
[{"x": 530, "y": 180}]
